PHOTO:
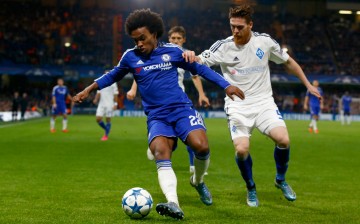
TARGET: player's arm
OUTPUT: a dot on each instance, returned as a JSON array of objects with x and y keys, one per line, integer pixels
[
  {"x": 306, "y": 102},
  {"x": 53, "y": 101},
  {"x": 294, "y": 68},
  {"x": 199, "y": 87},
  {"x": 355, "y": 100},
  {"x": 131, "y": 94},
  {"x": 115, "y": 75},
  {"x": 78, "y": 98},
  {"x": 321, "y": 104},
  {"x": 97, "y": 97},
  {"x": 115, "y": 102},
  {"x": 214, "y": 77}
]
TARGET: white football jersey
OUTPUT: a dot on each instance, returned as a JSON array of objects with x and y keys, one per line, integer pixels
[
  {"x": 107, "y": 95},
  {"x": 181, "y": 73},
  {"x": 246, "y": 66}
]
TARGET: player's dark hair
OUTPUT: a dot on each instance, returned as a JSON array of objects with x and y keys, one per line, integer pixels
[
  {"x": 242, "y": 11},
  {"x": 177, "y": 29},
  {"x": 145, "y": 18}
]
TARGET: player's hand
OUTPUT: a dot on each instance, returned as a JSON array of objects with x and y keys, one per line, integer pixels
[
  {"x": 189, "y": 56},
  {"x": 305, "y": 107},
  {"x": 233, "y": 90},
  {"x": 314, "y": 91},
  {"x": 204, "y": 101},
  {"x": 54, "y": 105},
  {"x": 78, "y": 98},
  {"x": 130, "y": 95}
]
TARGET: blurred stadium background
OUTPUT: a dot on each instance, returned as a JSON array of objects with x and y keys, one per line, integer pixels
[{"x": 41, "y": 40}]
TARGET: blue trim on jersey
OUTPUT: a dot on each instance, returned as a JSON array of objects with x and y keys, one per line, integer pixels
[{"x": 218, "y": 43}]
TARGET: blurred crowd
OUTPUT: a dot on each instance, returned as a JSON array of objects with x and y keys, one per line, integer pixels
[{"x": 37, "y": 35}]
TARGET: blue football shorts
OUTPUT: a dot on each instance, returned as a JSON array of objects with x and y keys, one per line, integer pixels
[
  {"x": 175, "y": 123},
  {"x": 60, "y": 109},
  {"x": 315, "y": 110}
]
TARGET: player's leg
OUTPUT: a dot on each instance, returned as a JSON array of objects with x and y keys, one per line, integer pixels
[
  {"x": 52, "y": 123},
  {"x": 162, "y": 148},
  {"x": 282, "y": 155},
  {"x": 54, "y": 112},
  {"x": 342, "y": 117},
  {"x": 191, "y": 158},
  {"x": 65, "y": 122},
  {"x": 108, "y": 126},
  {"x": 100, "y": 122},
  {"x": 315, "y": 119},
  {"x": 100, "y": 113},
  {"x": 244, "y": 162},
  {"x": 271, "y": 123},
  {"x": 190, "y": 128},
  {"x": 348, "y": 117},
  {"x": 240, "y": 123},
  {"x": 197, "y": 140}
]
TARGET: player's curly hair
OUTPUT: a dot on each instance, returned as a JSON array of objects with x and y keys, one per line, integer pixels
[
  {"x": 243, "y": 11},
  {"x": 177, "y": 29},
  {"x": 145, "y": 18}
]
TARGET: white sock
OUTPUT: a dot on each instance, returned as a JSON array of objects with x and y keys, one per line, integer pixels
[
  {"x": 64, "y": 123},
  {"x": 314, "y": 125},
  {"x": 201, "y": 167},
  {"x": 348, "y": 119},
  {"x": 168, "y": 182},
  {"x": 311, "y": 123},
  {"x": 52, "y": 123},
  {"x": 342, "y": 118}
]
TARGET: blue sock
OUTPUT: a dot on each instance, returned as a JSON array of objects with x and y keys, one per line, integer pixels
[
  {"x": 101, "y": 123},
  {"x": 107, "y": 130},
  {"x": 281, "y": 157},
  {"x": 245, "y": 167},
  {"x": 191, "y": 155}
]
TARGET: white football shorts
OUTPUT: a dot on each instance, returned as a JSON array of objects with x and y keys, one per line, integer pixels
[
  {"x": 243, "y": 119},
  {"x": 104, "y": 111}
]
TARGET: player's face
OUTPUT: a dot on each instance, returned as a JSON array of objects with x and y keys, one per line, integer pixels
[
  {"x": 315, "y": 83},
  {"x": 144, "y": 40},
  {"x": 177, "y": 38},
  {"x": 60, "y": 82},
  {"x": 240, "y": 30}
]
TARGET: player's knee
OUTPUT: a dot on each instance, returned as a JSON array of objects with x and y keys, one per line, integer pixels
[
  {"x": 283, "y": 141},
  {"x": 161, "y": 153},
  {"x": 200, "y": 146},
  {"x": 241, "y": 151}
]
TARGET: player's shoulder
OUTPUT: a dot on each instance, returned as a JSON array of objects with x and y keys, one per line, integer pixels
[
  {"x": 171, "y": 47},
  {"x": 222, "y": 43},
  {"x": 263, "y": 37}
]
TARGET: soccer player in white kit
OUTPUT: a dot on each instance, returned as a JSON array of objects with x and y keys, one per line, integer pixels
[
  {"x": 244, "y": 60},
  {"x": 107, "y": 99}
]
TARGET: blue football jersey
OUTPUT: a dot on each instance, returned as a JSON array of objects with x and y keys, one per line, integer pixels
[
  {"x": 313, "y": 100},
  {"x": 346, "y": 102},
  {"x": 60, "y": 93},
  {"x": 157, "y": 77}
]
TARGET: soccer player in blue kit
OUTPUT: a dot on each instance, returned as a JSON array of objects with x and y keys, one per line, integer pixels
[
  {"x": 315, "y": 106},
  {"x": 170, "y": 113},
  {"x": 59, "y": 95}
]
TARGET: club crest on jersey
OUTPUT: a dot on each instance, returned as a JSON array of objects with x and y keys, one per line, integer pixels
[
  {"x": 233, "y": 129},
  {"x": 260, "y": 53},
  {"x": 165, "y": 57}
]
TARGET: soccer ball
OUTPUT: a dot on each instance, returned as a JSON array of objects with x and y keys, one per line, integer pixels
[{"x": 137, "y": 203}]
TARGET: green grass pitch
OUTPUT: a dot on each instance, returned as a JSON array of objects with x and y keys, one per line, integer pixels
[{"x": 75, "y": 178}]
